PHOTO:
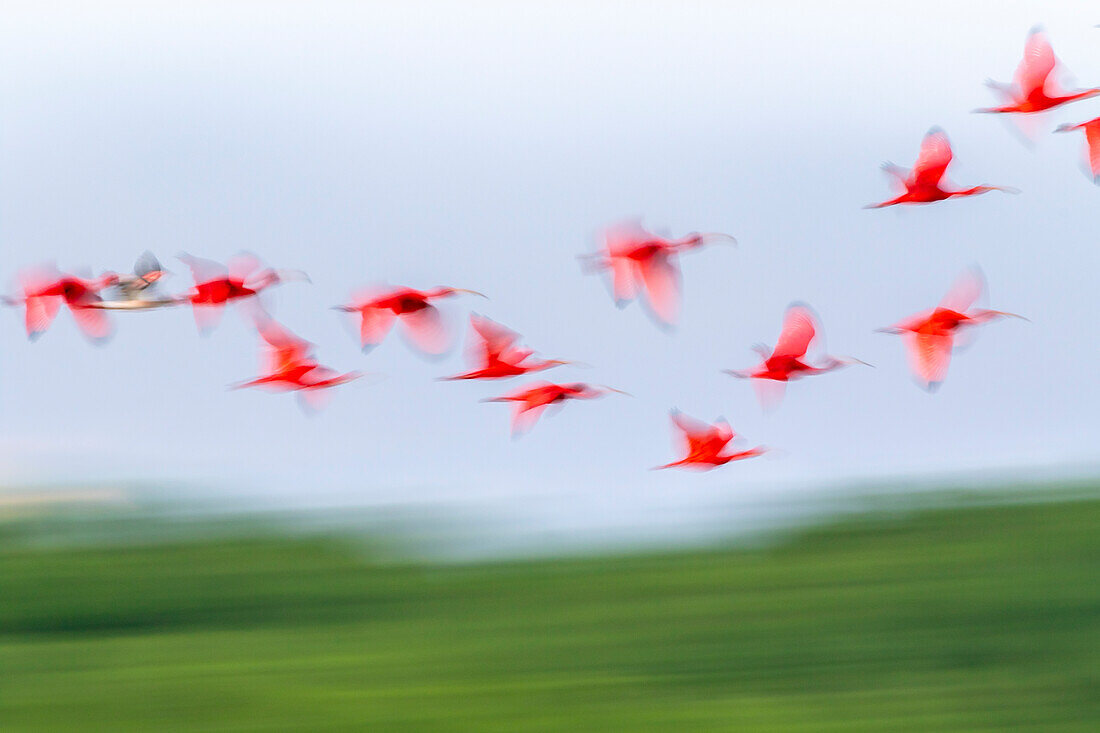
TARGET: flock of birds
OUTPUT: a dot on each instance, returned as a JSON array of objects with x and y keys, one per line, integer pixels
[{"x": 637, "y": 262}]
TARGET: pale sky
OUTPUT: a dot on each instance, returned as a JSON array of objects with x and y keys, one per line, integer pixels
[{"x": 483, "y": 147}]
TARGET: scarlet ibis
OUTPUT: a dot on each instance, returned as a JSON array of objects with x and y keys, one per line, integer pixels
[
  {"x": 926, "y": 183},
  {"x": 530, "y": 401},
  {"x": 931, "y": 335},
  {"x": 216, "y": 284},
  {"x": 787, "y": 361},
  {"x": 46, "y": 288},
  {"x": 1034, "y": 88},
  {"x": 288, "y": 364},
  {"x": 494, "y": 352},
  {"x": 638, "y": 259},
  {"x": 704, "y": 444},
  {"x": 1092, "y": 144},
  {"x": 420, "y": 318}
]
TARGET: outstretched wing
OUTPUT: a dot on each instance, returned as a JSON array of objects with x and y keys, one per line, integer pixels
[
  {"x": 1092, "y": 141},
  {"x": 203, "y": 270},
  {"x": 929, "y": 356},
  {"x": 426, "y": 330},
  {"x": 799, "y": 331},
  {"x": 243, "y": 264},
  {"x": 662, "y": 283},
  {"x": 965, "y": 291},
  {"x": 488, "y": 340},
  {"x": 40, "y": 314},
  {"x": 1036, "y": 65},
  {"x": 935, "y": 156},
  {"x": 284, "y": 348},
  {"x": 699, "y": 437}
]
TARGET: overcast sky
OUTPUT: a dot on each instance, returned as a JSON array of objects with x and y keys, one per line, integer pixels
[{"x": 483, "y": 147}]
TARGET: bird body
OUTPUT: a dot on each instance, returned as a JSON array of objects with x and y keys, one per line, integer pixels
[
  {"x": 46, "y": 289},
  {"x": 421, "y": 320},
  {"x": 217, "y": 285},
  {"x": 639, "y": 260},
  {"x": 925, "y": 183},
  {"x": 1035, "y": 87},
  {"x": 705, "y": 445},
  {"x": 493, "y": 349},
  {"x": 931, "y": 335},
  {"x": 530, "y": 401}
]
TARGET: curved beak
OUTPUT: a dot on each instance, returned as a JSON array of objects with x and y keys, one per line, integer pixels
[
  {"x": 291, "y": 275},
  {"x": 1012, "y": 315},
  {"x": 471, "y": 292},
  {"x": 718, "y": 238},
  {"x": 853, "y": 360},
  {"x": 616, "y": 391},
  {"x": 1006, "y": 189}
]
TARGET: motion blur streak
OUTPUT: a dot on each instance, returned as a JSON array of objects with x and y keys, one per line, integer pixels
[{"x": 985, "y": 617}]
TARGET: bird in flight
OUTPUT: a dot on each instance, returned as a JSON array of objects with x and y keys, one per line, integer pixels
[
  {"x": 494, "y": 354},
  {"x": 1035, "y": 87},
  {"x": 422, "y": 322},
  {"x": 288, "y": 364},
  {"x": 925, "y": 183},
  {"x": 217, "y": 284},
  {"x": 137, "y": 291},
  {"x": 704, "y": 445},
  {"x": 45, "y": 289},
  {"x": 639, "y": 260},
  {"x": 1092, "y": 144},
  {"x": 530, "y": 401},
  {"x": 787, "y": 361},
  {"x": 931, "y": 335}
]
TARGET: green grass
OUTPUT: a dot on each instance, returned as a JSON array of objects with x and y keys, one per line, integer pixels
[{"x": 978, "y": 618}]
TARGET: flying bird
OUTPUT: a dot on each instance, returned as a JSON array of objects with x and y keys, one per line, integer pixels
[
  {"x": 704, "y": 445},
  {"x": 217, "y": 284},
  {"x": 530, "y": 401},
  {"x": 45, "y": 289},
  {"x": 931, "y": 335},
  {"x": 136, "y": 291},
  {"x": 494, "y": 354},
  {"x": 639, "y": 260},
  {"x": 421, "y": 320},
  {"x": 288, "y": 364},
  {"x": 1035, "y": 87},
  {"x": 787, "y": 361},
  {"x": 925, "y": 183},
  {"x": 1092, "y": 144}
]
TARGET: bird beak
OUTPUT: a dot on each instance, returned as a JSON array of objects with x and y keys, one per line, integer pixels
[
  {"x": 888, "y": 329},
  {"x": 342, "y": 308},
  {"x": 616, "y": 391},
  {"x": 1006, "y": 189},
  {"x": 1068, "y": 127},
  {"x": 293, "y": 275},
  {"x": 718, "y": 238},
  {"x": 853, "y": 360},
  {"x": 471, "y": 292},
  {"x": 1012, "y": 315}
]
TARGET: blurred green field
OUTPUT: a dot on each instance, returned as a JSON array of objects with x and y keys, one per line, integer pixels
[{"x": 978, "y": 618}]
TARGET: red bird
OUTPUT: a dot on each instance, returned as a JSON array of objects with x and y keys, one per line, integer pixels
[
  {"x": 787, "y": 361},
  {"x": 704, "y": 444},
  {"x": 931, "y": 335},
  {"x": 1035, "y": 88},
  {"x": 926, "y": 183},
  {"x": 46, "y": 288},
  {"x": 216, "y": 285},
  {"x": 288, "y": 365},
  {"x": 422, "y": 321},
  {"x": 530, "y": 401},
  {"x": 494, "y": 352},
  {"x": 1092, "y": 144},
  {"x": 641, "y": 260}
]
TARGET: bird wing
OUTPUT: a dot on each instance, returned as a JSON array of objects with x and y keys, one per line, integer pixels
[
  {"x": 40, "y": 314},
  {"x": 489, "y": 339},
  {"x": 929, "y": 356},
  {"x": 147, "y": 264},
  {"x": 625, "y": 236},
  {"x": 426, "y": 331},
  {"x": 92, "y": 321},
  {"x": 699, "y": 437},
  {"x": 624, "y": 284},
  {"x": 1036, "y": 65},
  {"x": 661, "y": 277},
  {"x": 374, "y": 324},
  {"x": 935, "y": 155},
  {"x": 203, "y": 270},
  {"x": 1092, "y": 140},
  {"x": 243, "y": 264},
  {"x": 799, "y": 331},
  {"x": 284, "y": 348},
  {"x": 966, "y": 289}
]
